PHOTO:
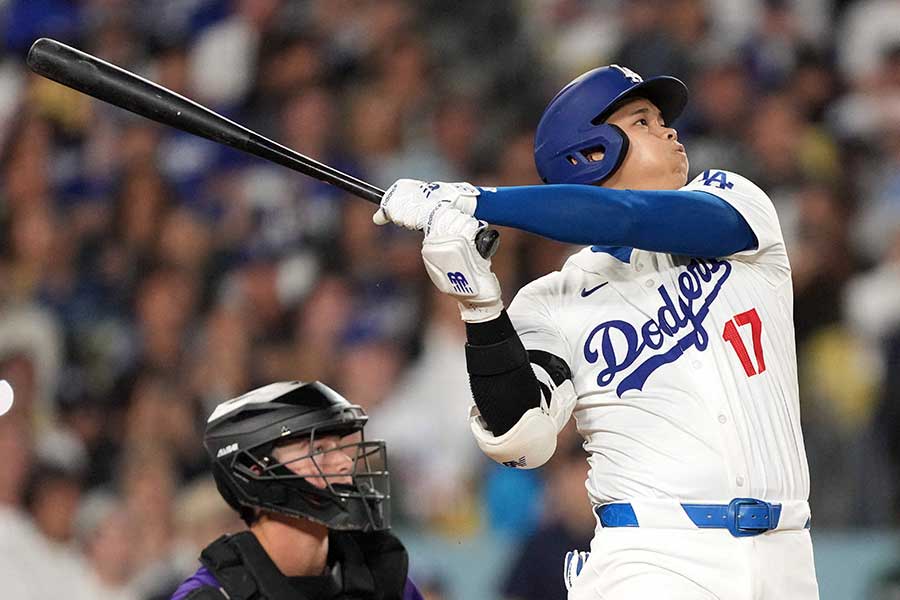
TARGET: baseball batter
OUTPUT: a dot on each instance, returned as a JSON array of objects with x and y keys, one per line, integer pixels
[{"x": 670, "y": 339}]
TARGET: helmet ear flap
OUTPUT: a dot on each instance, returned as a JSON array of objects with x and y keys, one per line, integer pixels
[
  {"x": 577, "y": 166},
  {"x": 225, "y": 486},
  {"x": 615, "y": 151}
]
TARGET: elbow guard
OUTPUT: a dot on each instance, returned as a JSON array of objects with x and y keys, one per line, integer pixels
[{"x": 532, "y": 440}]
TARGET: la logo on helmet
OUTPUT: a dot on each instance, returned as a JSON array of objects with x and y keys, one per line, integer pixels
[{"x": 628, "y": 73}]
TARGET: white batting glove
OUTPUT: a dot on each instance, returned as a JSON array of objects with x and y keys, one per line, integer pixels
[
  {"x": 410, "y": 202},
  {"x": 573, "y": 565},
  {"x": 454, "y": 265}
]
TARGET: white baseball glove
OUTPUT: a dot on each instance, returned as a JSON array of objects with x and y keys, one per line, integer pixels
[
  {"x": 455, "y": 266},
  {"x": 410, "y": 202}
]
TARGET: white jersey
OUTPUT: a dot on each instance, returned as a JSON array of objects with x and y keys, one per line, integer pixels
[{"x": 685, "y": 368}]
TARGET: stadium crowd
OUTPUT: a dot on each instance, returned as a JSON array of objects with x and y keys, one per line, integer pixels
[{"x": 146, "y": 275}]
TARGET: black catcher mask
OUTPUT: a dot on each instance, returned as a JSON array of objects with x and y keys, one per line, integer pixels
[{"x": 298, "y": 449}]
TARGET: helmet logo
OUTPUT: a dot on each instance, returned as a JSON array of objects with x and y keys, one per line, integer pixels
[
  {"x": 628, "y": 73},
  {"x": 227, "y": 450}
]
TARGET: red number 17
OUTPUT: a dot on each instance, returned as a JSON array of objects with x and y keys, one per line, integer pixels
[{"x": 732, "y": 336}]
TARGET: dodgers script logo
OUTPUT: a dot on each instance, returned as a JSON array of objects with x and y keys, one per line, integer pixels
[{"x": 681, "y": 319}]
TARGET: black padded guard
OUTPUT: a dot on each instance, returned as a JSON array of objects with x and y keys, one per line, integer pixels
[{"x": 496, "y": 359}]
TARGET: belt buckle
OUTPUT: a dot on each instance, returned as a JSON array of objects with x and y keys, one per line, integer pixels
[{"x": 733, "y": 517}]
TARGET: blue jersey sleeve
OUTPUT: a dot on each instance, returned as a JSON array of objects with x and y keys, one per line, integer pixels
[{"x": 693, "y": 223}]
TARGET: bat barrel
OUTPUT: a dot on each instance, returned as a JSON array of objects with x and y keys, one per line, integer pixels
[
  {"x": 104, "y": 81},
  {"x": 97, "y": 78}
]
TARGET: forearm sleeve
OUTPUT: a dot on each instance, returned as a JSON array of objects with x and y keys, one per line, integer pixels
[
  {"x": 689, "y": 222},
  {"x": 503, "y": 384}
]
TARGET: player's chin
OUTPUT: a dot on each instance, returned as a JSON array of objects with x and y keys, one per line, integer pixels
[
  {"x": 683, "y": 165},
  {"x": 679, "y": 169}
]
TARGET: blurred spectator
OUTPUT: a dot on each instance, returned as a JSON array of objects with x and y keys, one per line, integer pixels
[
  {"x": 30, "y": 359},
  {"x": 368, "y": 368},
  {"x": 574, "y": 34},
  {"x": 887, "y": 417},
  {"x": 812, "y": 84},
  {"x": 164, "y": 307},
  {"x": 438, "y": 477},
  {"x": 872, "y": 107},
  {"x": 20, "y": 541},
  {"x": 786, "y": 149},
  {"x": 648, "y": 46},
  {"x": 26, "y": 20},
  {"x": 870, "y": 303},
  {"x": 718, "y": 117},
  {"x": 876, "y": 229},
  {"x": 771, "y": 53},
  {"x": 103, "y": 531},
  {"x": 201, "y": 516},
  {"x": 866, "y": 30},
  {"x": 567, "y": 524},
  {"x": 222, "y": 363},
  {"x": 822, "y": 255},
  {"x": 161, "y": 413},
  {"x": 148, "y": 483},
  {"x": 317, "y": 328},
  {"x": 223, "y": 58},
  {"x": 52, "y": 496}
]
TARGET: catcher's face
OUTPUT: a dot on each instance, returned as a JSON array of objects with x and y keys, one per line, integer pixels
[
  {"x": 655, "y": 159},
  {"x": 329, "y": 459}
]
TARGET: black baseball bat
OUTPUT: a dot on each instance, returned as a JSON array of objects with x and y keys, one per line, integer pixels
[{"x": 102, "y": 80}]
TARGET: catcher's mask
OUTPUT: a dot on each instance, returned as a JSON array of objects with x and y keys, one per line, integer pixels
[{"x": 298, "y": 449}]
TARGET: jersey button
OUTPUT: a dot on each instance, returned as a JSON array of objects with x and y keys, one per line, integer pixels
[
  {"x": 650, "y": 283},
  {"x": 739, "y": 481},
  {"x": 696, "y": 364},
  {"x": 723, "y": 419}
]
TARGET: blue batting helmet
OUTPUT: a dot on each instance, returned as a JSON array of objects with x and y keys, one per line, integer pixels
[{"x": 573, "y": 124}]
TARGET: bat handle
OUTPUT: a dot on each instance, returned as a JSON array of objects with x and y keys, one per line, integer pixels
[{"x": 487, "y": 241}]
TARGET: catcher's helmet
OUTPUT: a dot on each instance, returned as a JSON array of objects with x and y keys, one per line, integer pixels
[
  {"x": 242, "y": 433},
  {"x": 573, "y": 124}
]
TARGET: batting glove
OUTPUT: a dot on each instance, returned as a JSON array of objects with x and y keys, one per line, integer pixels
[
  {"x": 572, "y": 566},
  {"x": 455, "y": 266},
  {"x": 410, "y": 202}
]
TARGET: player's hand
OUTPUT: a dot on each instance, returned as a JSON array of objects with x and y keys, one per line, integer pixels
[
  {"x": 455, "y": 266},
  {"x": 410, "y": 203}
]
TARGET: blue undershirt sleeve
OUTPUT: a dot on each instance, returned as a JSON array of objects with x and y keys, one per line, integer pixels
[{"x": 692, "y": 223}]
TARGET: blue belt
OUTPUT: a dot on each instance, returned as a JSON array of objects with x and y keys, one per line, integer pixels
[{"x": 742, "y": 517}]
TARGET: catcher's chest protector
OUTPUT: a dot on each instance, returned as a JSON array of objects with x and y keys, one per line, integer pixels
[{"x": 246, "y": 572}]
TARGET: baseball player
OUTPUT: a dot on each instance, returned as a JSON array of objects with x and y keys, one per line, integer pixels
[
  {"x": 669, "y": 337},
  {"x": 290, "y": 457}
]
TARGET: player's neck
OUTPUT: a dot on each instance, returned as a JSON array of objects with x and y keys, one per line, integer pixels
[
  {"x": 298, "y": 547},
  {"x": 641, "y": 185},
  {"x": 622, "y": 181}
]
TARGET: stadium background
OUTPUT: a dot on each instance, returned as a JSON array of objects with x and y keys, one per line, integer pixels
[{"x": 146, "y": 275}]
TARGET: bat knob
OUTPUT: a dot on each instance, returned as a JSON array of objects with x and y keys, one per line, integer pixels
[{"x": 487, "y": 241}]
